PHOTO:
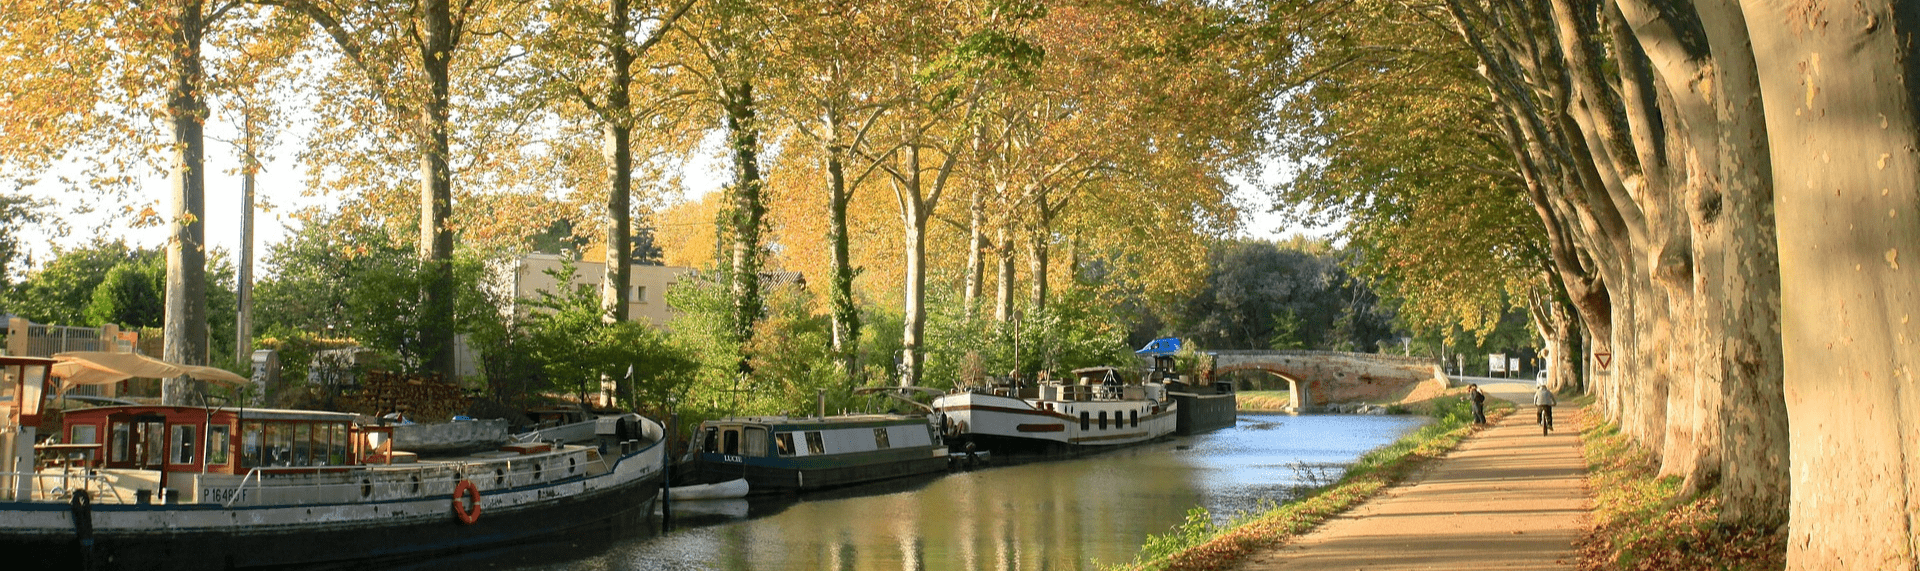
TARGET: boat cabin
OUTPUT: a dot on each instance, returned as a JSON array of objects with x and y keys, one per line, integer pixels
[
  {"x": 211, "y": 440},
  {"x": 787, "y": 437}
]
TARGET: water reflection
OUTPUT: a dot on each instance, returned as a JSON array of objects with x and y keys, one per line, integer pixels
[{"x": 1072, "y": 514}]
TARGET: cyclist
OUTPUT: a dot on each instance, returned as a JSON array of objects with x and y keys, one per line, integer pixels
[{"x": 1543, "y": 402}]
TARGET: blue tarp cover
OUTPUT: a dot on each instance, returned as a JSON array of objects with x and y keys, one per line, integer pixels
[{"x": 1162, "y": 346}]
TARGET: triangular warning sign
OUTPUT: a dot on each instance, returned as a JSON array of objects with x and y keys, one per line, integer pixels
[{"x": 1603, "y": 359}]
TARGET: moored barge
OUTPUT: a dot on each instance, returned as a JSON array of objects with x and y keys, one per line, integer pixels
[
  {"x": 1096, "y": 411},
  {"x": 181, "y": 487},
  {"x": 784, "y": 455}
]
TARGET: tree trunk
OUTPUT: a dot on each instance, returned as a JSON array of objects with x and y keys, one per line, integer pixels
[
  {"x": 436, "y": 195},
  {"x": 1038, "y": 251},
  {"x": 748, "y": 209},
  {"x": 1742, "y": 280},
  {"x": 1003, "y": 283},
  {"x": 976, "y": 254},
  {"x": 846, "y": 315},
  {"x": 243, "y": 283},
  {"x": 1837, "y": 82},
  {"x": 618, "y": 147},
  {"x": 185, "y": 324},
  {"x": 916, "y": 217}
]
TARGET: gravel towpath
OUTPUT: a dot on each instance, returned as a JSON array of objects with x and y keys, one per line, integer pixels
[{"x": 1506, "y": 498}]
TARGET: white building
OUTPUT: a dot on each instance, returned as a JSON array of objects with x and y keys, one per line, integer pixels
[{"x": 646, "y": 289}]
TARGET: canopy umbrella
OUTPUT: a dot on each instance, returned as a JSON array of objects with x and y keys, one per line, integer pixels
[
  {"x": 99, "y": 368},
  {"x": 215, "y": 375}
]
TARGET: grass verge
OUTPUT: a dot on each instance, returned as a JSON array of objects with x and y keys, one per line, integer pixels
[
  {"x": 1641, "y": 523},
  {"x": 1263, "y": 401},
  {"x": 1198, "y": 545}
]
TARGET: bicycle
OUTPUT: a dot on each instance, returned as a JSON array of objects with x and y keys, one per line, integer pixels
[{"x": 1543, "y": 415}]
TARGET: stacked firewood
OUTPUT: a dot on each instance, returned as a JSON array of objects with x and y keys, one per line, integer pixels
[{"x": 420, "y": 398}]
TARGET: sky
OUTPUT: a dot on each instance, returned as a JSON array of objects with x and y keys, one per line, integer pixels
[{"x": 282, "y": 184}]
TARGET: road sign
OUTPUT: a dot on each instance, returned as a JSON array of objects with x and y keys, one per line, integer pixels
[{"x": 1603, "y": 360}]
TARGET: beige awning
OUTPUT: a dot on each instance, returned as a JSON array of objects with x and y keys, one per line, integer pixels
[{"x": 99, "y": 368}]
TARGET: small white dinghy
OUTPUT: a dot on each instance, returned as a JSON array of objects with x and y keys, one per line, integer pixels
[{"x": 736, "y": 488}]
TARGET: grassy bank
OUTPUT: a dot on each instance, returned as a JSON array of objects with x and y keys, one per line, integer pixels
[
  {"x": 1199, "y": 545},
  {"x": 1263, "y": 401},
  {"x": 1641, "y": 523}
]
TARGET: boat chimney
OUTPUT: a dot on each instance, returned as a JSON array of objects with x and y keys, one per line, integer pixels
[{"x": 823, "y": 402}]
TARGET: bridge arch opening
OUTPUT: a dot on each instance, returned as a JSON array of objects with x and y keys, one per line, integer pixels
[{"x": 1300, "y": 394}]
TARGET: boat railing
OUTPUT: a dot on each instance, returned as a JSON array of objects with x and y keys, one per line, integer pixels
[
  {"x": 271, "y": 486},
  {"x": 235, "y": 495}
]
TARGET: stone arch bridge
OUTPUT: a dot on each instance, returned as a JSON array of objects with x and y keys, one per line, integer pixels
[{"x": 1317, "y": 378}]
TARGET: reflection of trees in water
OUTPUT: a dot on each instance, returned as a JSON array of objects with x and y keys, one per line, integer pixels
[{"x": 1066, "y": 514}]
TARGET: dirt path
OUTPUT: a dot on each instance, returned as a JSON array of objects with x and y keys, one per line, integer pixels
[{"x": 1506, "y": 498}]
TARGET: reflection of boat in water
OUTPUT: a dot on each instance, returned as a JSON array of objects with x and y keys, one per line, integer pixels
[
  {"x": 735, "y": 488},
  {"x": 780, "y": 454},
  {"x": 1097, "y": 410},
  {"x": 155, "y": 487}
]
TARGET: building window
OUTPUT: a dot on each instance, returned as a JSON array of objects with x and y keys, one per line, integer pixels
[{"x": 639, "y": 294}]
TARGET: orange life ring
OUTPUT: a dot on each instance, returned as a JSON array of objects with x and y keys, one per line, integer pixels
[{"x": 468, "y": 511}]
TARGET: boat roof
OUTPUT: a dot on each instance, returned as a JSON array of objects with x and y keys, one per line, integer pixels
[
  {"x": 817, "y": 423},
  {"x": 244, "y": 413}
]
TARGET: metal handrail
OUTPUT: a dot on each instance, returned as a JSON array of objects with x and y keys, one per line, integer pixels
[{"x": 239, "y": 488}]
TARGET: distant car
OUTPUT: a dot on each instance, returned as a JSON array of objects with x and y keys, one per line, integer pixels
[{"x": 1540, "y": 380}]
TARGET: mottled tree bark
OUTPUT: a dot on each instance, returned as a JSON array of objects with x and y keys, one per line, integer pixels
[
  {"x": 1843, "y": 125},
  {"x": 184, "y": 328},
  {"x": 617, "y": 147},
  {"x": 436, "y": 193}
]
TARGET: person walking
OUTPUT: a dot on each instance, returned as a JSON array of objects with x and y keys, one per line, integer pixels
[
  {"x": 1479, "y": 403},
  {"x": 1543, "y": 402}
]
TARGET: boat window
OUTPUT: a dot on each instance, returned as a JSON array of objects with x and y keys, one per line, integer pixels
[
  {"x": 1103, "y": 420},
  {"x": 880, "y": 438},
  {"x": 83, "y": 434},
  {"x": 119, "y": 446},
  {"x": 217, "y": 444},
  {"x": 730, "y": 442},
  {"x": 712, "y": 441},
  {"x": 1134, "y": 417},
  {"x": 152, "y": 437},
  {"x": 279, "y": 449},
  {"x": 814, "y": 444},
  {"x": 182, "y": 444},
  {"x": 756, "y": 444},
  {"x": 302, "y": 448},
  {"x": 338, "y": 454},
  {"x": 1083, "y": 420},
  {"x": 784, "y": 441},
  {"x": 252, "y": 449}
]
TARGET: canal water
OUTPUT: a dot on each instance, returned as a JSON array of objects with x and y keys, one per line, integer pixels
[{"x": 1067, "y": 515}]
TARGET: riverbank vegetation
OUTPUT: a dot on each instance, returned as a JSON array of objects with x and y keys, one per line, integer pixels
[
  {"x": 1643, "y": 521},
  {"x": 1200, "y": 545}
]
